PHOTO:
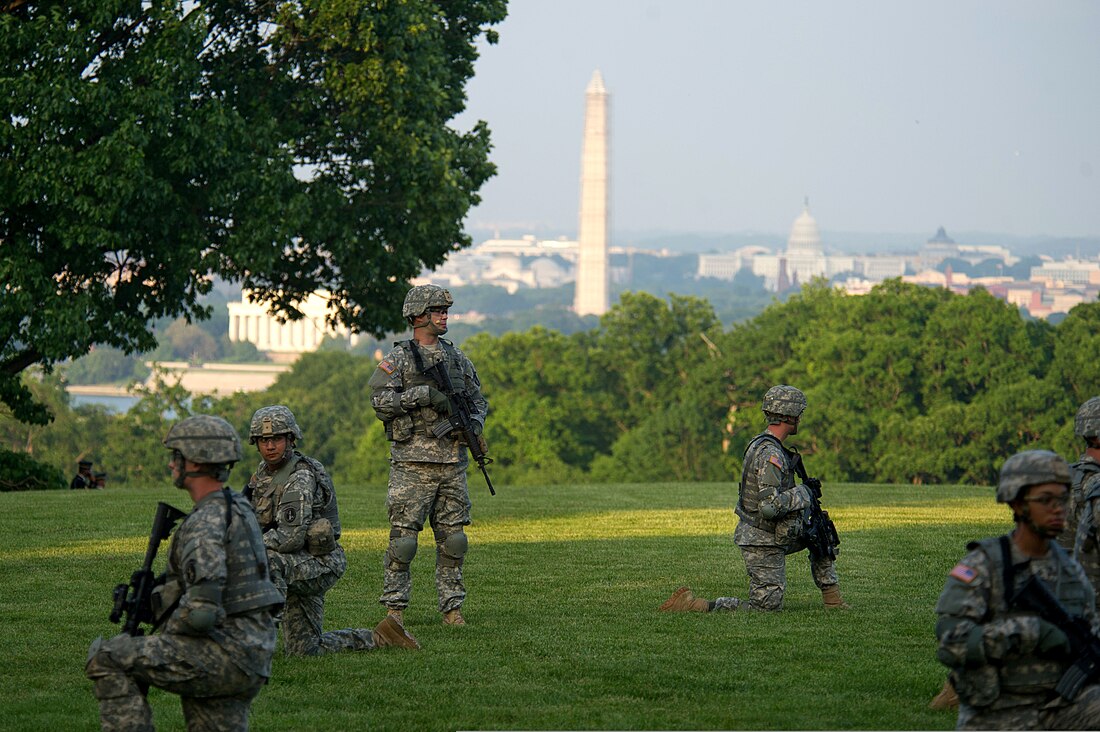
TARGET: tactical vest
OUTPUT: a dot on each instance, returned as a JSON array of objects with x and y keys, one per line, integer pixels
[
  {"x": 247, "y": 586},
  {"x": 1082, "y": 471},
  {"x": 1029, "y": 674},
  {"x": 326, "y": 508},
  {"x": 423, "y": 418},
  {"x": 748, "y": 497}
]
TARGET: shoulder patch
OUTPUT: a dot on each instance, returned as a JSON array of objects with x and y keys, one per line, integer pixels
[
  {"x": 386, "y": 366},
  {"x": 963, "y": 573},
  {"x": 774, "y": 460}
]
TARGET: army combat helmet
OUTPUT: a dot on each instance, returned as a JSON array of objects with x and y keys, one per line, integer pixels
[
  {"x": 1028, "y": 468},
  {"x": 783, "y": 403},
  {"x": 274, "y": 421},
  {"x": 1087, "y": 422},
  {"x": 206, "y": 440},
  {"x": 422, "y": 297}
]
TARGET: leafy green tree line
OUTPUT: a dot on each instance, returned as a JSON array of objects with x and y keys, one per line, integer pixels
[{"x": 906, "y": 385}]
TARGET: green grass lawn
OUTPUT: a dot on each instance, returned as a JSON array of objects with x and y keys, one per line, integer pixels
[{"x": 564, "y": 633}]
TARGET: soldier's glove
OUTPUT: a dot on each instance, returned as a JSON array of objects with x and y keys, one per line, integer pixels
[
  {"x": 475, "y": 427},
  {"x": 1052, "y": 642},
  {"x": 439, "y": 401}
]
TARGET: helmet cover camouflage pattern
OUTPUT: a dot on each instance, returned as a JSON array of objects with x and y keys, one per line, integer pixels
[
  {"x": 1087, "y": 421},
  {"x": 422, "y": 297},
  {"x": 205, "y": 438},
  {"x": 1028, "y": 468},
  {"x": 785, "y": 401},
  {"x": 273, "y": 421}
]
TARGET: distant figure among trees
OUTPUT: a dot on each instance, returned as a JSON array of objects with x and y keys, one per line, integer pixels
[{"x": 83, "y": 478}]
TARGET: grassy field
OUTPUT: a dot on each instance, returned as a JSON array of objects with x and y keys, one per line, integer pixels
[{"x": 563, "y": 633}]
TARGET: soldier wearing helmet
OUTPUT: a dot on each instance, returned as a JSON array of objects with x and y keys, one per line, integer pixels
[
  {"x": 295, "y": 503},
  {"x": 1005, "y": 659},
  {"x": 428, "y": 464},
  {"x": 1085, "y": 493},
  {"x": 772, "y": 509},
  {"x": 214, "y": 605}
]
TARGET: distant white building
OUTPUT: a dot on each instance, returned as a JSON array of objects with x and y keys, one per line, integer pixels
[
  {"x": 251, "y": 322},
  {"x": 1067, "y": 273}
]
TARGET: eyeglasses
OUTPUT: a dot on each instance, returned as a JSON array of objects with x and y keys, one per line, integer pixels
[
  {"x": 270, "y": 440},
  {"x": 1050, "y": 500},
  {"x": 442, "y": 310}
]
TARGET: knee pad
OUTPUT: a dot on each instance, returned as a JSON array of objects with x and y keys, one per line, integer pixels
[
  {"x": 402, "y": 549},
  {"x": 452, "y": 548}
]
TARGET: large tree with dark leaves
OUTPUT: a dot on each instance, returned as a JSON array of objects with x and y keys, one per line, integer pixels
[{"x": 148, "y": 146}]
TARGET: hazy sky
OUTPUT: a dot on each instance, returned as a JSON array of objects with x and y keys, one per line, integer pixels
[{"x": 890, "y": 116}]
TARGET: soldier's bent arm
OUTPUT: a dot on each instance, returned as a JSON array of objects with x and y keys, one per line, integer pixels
[
  {"x": 964, "y": 640},
  {"x": 294, "y": 513},
  {"x": 388, "y": 396},
  {"x": 473, "y": 390},
  {"x": 199, "y": 559},
  {"x": 776, "y": 501}
]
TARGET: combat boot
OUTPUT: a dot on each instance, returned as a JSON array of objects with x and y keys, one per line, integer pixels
[
  {"x": 392, "y": 633},
  {"x": 397, "y": 614},
  {"x": 946, "y": 699},
  {"x": 832, "y": 598},
  {"x": 683, "y": 601},
  {"x": 453, "y": 617}
]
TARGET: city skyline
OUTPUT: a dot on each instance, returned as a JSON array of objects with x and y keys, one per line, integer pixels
[{"x": 974, "y": 116}]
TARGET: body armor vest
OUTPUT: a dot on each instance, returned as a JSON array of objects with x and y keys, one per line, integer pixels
[
  {"x": 248, "y": 585},
  {"x": 748, "y": 499},
  {"x": 423, "y": 418},
  {"x": 1030, "y": 674}
]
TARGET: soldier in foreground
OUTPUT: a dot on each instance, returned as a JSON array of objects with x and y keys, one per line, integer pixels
[
  {"x": 295, "y": 503},
  {"x": 1017, "y": 613},
  {"x": 773, "y": 512},
  {"x": 427, "y": 464},
  {"x": 1086, "y": 493},
  {"x": 214, "y": 606}
]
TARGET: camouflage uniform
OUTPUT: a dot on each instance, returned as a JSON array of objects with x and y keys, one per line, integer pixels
[
  {"x": 769, "y": 478},
  {"x": 301, "y": 530},
  {"x": 1084, "y": 540},
  {"x": 1001, "y": 681},
  {"x": 217, "y": 674},
  {"x": 427, "y": 473},
  {"x": 1002, "y": 666}
]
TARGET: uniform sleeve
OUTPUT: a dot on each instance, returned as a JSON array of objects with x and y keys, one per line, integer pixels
[
  {"x": 775, "y": 500},
  {"x": 294, "y": 513},
  {"x": 967, "y": 637},
  {"x": 473, "y": 391},
  {"x": 387, "y": 395},
  {"x": 202, "y": 568}
]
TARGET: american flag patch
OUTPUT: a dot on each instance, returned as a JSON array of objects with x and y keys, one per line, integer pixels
[
  {"x": 963, "y": 573},
  {"x": 386, "y": 366},
  {"x": 774, "y": 460}
]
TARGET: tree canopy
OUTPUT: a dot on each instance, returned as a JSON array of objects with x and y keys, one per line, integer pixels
[{"x": 147, "y": 146}]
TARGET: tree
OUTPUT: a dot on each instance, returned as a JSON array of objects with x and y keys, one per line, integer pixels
[{"x": 148, "y": 146}]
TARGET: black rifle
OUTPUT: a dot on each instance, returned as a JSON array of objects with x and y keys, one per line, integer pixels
[
  {"x": 819, "y": 531},
  {"x": 1084, "y": 646},
  {"x": 460, "y": 420},
  {"x": 135, "y": 601}
]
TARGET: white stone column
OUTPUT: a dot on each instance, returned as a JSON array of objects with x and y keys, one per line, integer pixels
[{"x": 591, "y": 296}]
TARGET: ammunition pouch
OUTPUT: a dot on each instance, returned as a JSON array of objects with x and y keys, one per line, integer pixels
[
  {"x": 399, "y": 429},
  {"x": 264, "y": 504},
  {"x": 320, "y": 538}
]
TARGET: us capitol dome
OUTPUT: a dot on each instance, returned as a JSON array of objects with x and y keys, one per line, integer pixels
[{"x": 805, "y": 237}]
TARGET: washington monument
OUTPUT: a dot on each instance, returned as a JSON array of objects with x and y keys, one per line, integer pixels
[{"x": 591, "y": 296}]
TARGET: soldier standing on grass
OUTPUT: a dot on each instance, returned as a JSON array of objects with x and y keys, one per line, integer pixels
[
  {"x": 1006, "y": 660},
  {"x": 427, "y": 472},
  {"x": 295, "y": 503},
  {"x": 771, "y": 508},
  {"x": 1086, "y": 492},
  {"x": 218, "y": 635}
]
